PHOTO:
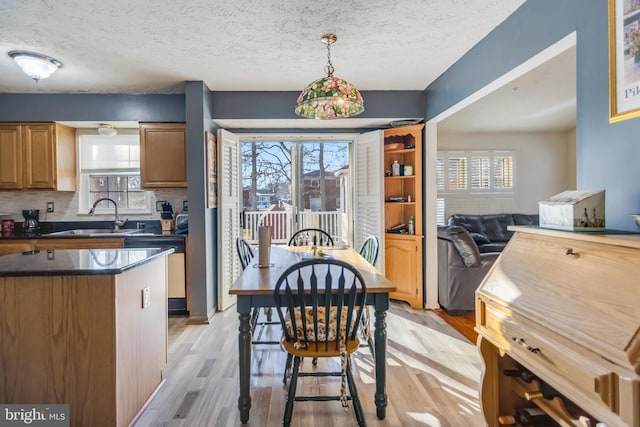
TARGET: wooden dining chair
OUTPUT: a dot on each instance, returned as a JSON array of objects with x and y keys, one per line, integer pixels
[
  {"x": 320, "y": 304},
  {"x": 369, "y": 251},
  {"x": 245, "y": 253},
  {"x": 311, "y": 237}
]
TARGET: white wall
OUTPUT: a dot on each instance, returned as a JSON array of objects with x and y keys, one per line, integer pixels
[
  {"x": 66, "y": 205},
  {"x": 543, "y": 162}
]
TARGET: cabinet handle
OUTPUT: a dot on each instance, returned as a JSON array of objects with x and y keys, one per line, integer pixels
[{"x": 522, "y": 342}]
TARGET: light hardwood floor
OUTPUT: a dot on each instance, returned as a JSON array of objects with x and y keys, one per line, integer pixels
[{"x": 433, "y": 374}]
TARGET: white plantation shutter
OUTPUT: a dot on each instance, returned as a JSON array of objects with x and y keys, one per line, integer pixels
[
  {"x": 480, "y": 171},
  {"x": 229, "y": 215},
  {"x": 368, "y": 190},
  {"x": 457, "y": 173},
  {"x": 475, "y": 182},
  {"x": 503, "y": 172},
  {"x": 440, "y": 180}
]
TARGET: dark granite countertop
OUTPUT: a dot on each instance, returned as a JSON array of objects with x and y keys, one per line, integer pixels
[
  {"x": 77, "y": 262},
  {"x": 149, "y": 228}
]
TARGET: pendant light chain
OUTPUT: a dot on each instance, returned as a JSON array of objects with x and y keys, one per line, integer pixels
[{"x": 329, "y": 68}]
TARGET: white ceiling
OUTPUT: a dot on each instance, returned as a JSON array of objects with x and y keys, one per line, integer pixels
[
  {"x": 142, "y": 46},
  {"x": 542, "y": 100}
]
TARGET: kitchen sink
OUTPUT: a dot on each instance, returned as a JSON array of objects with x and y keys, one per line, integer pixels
[{"x": 93, "y": 232}]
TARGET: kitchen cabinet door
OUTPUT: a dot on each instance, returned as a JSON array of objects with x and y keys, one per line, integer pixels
[
  {"x": 80, "y": 243},
  {"x": 49, "y": 157},
  {"x": 37, "y": 156},
  {"x": 163, "y": 155},
  {"x": 10, "y": 157},
  {"x": 403, "y": 267}
]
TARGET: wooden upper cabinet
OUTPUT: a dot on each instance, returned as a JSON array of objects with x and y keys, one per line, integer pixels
[
  {"x": 10, "y": 157},
  {"x": 163, "y": 155},
  {"x": 37, "y": 156}
]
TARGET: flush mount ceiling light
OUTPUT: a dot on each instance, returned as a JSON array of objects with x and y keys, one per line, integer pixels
[
  {"x": 329, "y": 97},
  {"x": 106, "y": 129},
  {"x": 35, "y": 65}
]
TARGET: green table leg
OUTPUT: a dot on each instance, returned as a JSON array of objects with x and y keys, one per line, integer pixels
[
  {"x": 380, "y": 341},
  {"x": 244, "y": 360}
]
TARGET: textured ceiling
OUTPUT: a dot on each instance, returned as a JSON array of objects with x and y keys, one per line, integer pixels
[{"x": 145, "y": 46}]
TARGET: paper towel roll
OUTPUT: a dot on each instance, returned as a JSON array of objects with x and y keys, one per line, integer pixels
[{"x": 264, "y": 245}]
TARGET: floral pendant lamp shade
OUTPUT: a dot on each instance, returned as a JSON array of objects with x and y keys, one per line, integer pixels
[{"x": 329, "y": 97}]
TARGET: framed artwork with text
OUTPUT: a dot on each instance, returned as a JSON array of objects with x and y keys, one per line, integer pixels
[{"x": 624, "y": 59}]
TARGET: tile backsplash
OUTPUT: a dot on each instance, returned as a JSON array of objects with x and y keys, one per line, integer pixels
[{"x": 66, "y": 204}]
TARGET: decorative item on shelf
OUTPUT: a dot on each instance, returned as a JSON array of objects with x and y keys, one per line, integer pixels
[
  {"x": 574, "y": 210},
  {"x": 411, "y": 229},
  {"x": 329, "y": 97},
  {"x": 395, "y": 168},
  {"x": 387, "y": 172},
  {"x": 35, "y": 65},
  {"x": 408, "y": 170},
  {"x": 398, "y": 229},
  {"x": 393, "y": 146},
  {"x": 401, "y": 123}
]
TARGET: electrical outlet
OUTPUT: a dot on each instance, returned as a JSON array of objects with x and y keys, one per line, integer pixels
[
  {"x": 146, "y": 297},
  {"x": 50, "y": 207},
  {"x": 159, "y": 205}
]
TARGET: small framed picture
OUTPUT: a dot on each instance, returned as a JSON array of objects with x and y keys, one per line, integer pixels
[
  {"x": 212, "y": 190},
  {"x": 624, "y": 60}
]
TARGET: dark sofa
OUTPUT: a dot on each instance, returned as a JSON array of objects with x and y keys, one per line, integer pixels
[
  {"x": 490, "y": 231},
  {"x": 467, "y": 248}
]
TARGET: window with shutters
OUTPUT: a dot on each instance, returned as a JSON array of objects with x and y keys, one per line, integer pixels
[{"x": 474, "y": 182}]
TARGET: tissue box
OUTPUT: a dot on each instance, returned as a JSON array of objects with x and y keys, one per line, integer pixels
[{"x": 573, "y": 210}]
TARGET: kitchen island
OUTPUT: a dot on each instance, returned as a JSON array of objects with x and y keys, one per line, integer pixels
[{"x": 86, "y": 328}]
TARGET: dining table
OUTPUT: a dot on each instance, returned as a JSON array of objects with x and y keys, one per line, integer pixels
[{"x": 255, "y": 287}]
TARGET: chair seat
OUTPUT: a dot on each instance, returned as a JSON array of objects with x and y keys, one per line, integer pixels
[
  {"x": 322, "y": 329},
  {"x": 322, "y": 350}
]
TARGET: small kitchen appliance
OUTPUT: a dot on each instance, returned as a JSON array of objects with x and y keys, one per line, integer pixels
[{"x": 30, "y": 224}]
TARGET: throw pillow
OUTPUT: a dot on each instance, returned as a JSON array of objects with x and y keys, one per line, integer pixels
[
  {"x": 480, "y": 239},
  {"x": 464, "y": 244}
]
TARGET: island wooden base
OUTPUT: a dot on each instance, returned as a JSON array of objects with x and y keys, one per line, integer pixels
[{"x": 85, "y": 341}]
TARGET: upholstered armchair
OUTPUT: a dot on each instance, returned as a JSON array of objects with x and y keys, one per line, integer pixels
[{"x": 461, "y": 268}]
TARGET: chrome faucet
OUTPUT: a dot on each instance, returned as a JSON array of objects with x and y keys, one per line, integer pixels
[{"x": 117, "y": 223}]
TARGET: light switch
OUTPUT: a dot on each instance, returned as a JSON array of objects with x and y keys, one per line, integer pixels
[{"x": 146, "y": 297}]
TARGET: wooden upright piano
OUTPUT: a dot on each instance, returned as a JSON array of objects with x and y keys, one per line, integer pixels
[{"x": 563, "y": 307}]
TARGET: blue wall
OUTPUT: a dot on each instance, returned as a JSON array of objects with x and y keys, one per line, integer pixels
[
  {"x": 607, "y": 154},
  {"x": 91, "y": 107}
]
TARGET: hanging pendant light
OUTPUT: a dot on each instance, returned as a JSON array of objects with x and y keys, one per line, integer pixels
[
  {"x": 35, "y": 65},
  {"x": 329, "y": 97}
]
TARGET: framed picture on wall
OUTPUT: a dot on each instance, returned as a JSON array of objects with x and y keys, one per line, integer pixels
[
  {"x": 212, "y": 188},
  {"x": 624, "y": 59}
]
